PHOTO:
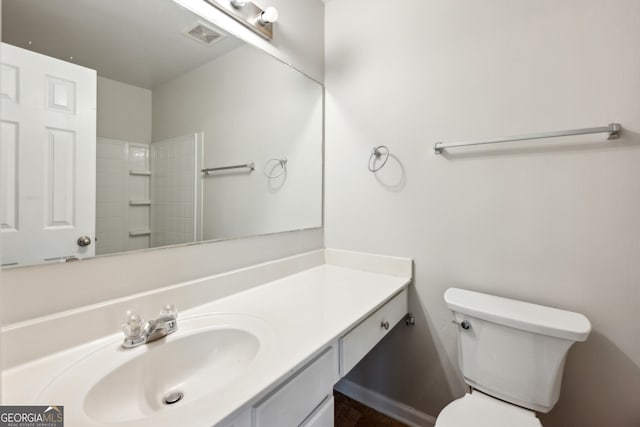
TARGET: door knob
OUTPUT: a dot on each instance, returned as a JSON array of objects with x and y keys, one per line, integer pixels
[{"x": 84, "y": 241}]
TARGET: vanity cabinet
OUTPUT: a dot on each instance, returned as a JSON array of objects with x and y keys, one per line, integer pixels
[
  {"x": 322, "y": 416},
  {"x": 285, "y": 373},
  {"x": 243, "y": 420},
  {"x": 292, "y": 403},
  {"x": 306, "y": 398},
  {"x": 359, "y": 341}
]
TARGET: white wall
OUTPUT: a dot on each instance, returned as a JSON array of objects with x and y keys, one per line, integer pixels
[
  {"x": 124, "y": 111},
  {"x": 65, "y": 286},
  {"x": 553, "y": 222},
  {"x": 250, "y": 108}
]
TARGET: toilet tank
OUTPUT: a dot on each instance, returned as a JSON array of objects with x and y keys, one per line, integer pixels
[{"x": 514, "y": 350}]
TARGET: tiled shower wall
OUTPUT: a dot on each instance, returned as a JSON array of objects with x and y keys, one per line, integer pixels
[
  {"x": 122, "y": 196},
  {"x": 174, "y": 191},
  {"x": 109, "y": 197},
  {"x": 138, "y": 208}
]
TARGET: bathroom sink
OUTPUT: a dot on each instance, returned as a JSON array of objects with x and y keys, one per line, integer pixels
[{"x": 191, "y": 367}]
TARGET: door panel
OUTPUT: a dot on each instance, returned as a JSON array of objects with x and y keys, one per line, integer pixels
[
  {"x": 48, "y": 157},
  {"x": 8, "y": 175}
]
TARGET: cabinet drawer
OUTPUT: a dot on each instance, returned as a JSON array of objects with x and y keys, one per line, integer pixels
[
  {"x": 321, "y": 417},
  {"x": 295, "y": 400},
  {"x": 361, "y": 339}
]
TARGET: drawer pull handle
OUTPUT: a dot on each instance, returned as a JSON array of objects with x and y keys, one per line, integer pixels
[
  {"x": 384, "y": 325},
  {"x": 465, "y": 324}
]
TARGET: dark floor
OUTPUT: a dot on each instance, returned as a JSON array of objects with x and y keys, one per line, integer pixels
[{"x": 349, "y": 413}]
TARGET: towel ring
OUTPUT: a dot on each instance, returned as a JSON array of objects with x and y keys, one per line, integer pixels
[
  {"x": 275, "y": 162},
  {"x": 376, "y": 154}
]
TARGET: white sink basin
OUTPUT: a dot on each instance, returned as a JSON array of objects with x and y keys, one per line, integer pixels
[{"x": 130, "y": 386}]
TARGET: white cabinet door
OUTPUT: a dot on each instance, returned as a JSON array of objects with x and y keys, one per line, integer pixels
[
  {"x": 47, "y": 157},
  {"x": 292, "y": 403},
  {"x": 323, "y": 416}
]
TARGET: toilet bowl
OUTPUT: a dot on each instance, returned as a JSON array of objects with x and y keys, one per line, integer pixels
[
  {"x": 512, "y": 355},
  {"x": 476, "y": 409}
]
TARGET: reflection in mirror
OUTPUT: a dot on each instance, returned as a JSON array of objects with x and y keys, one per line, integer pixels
[{"x": 110, "y": 112}]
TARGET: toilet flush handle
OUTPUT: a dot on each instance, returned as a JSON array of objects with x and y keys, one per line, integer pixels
[{"x": 465, "y": 324}]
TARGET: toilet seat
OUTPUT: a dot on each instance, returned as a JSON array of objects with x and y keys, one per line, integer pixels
[{"x": 479, "y": 410}]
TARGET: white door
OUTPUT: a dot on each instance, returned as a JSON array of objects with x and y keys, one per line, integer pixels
[{"x": 47, "y": 158}]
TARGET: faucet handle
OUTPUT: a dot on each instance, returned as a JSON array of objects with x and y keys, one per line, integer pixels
[
  {"x": 169, "y": 311},
  {"x": 134, "y": 326}
]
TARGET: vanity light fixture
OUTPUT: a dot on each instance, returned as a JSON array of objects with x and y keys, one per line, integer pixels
[
  {"x": 268, "y": 16},
  {"x": 248, "y": 14}
]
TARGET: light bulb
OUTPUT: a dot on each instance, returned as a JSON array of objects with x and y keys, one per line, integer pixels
[
  {"x": 237, "y": 3},
  {"x": 269, "y": 16}
]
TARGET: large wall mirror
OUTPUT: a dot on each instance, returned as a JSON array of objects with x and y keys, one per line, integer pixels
[{"x": 130, "y": 126}]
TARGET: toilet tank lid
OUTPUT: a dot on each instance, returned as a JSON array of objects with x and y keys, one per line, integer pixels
[{"x": 519, "y": 314}]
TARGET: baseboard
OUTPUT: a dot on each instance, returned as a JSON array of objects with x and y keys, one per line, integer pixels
[{"x": 396, "y": 410}]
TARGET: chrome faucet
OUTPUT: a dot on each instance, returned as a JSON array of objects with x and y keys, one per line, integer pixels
[{"x": 138, "y": 332}]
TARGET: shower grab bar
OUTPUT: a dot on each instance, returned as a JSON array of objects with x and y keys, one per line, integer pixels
[
  {"x": 251, "y": 166},
  {"x": 613, "y": 129}
]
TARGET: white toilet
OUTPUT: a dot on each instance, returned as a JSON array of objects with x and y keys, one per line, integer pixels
[{"x": 512, "y": 355}]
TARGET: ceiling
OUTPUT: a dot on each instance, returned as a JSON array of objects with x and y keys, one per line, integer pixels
[{"x": 138, "y": 42}]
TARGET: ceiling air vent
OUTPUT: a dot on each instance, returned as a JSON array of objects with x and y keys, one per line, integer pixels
[{"x": 203, "y": 33}]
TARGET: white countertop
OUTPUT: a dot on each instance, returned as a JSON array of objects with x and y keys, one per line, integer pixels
[{"x": 305, "y": 311}]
